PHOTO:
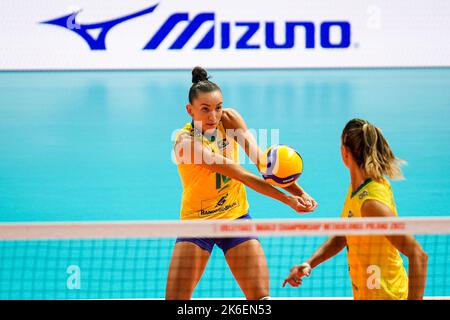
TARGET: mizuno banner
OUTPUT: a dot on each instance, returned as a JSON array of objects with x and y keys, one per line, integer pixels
[{"x": 179, "y": 34}]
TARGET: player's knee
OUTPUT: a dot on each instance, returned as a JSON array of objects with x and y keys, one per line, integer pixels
[
  {"x": 179, "y": 289},
  {"x": 177, "y": 294},
  {"x": 258, "y": 296},
  {"x": 257, "y": 293}
]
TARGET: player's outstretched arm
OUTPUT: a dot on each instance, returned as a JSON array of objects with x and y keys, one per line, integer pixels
[
  {"x": 233, "y": 121},
  {"x": 328, "y": 249},
  {"x": 190, "y": 151},
  {"x": 296, "y": 190}
]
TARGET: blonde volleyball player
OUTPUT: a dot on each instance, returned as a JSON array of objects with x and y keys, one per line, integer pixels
[
  {"x": 213, "y": 188},
  {"x": 367, "y": 155}
]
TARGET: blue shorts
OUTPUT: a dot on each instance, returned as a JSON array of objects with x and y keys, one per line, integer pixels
[{"x": 223, "y": 243}]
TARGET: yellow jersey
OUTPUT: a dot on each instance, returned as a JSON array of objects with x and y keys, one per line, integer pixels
[
  {"x": 208, "y": 194},
  {"x": 375, "y": 265}
]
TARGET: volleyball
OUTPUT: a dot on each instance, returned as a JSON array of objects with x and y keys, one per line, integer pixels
[{"x": 283, "y": 165}]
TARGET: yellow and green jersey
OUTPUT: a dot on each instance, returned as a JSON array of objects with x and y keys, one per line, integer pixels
[
  {"x": 376, "y": 268},
  {"x": 208, "y": 194}
]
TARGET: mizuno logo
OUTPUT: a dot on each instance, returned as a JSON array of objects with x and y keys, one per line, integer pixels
[
  {"x": 69, "y": 22},
  {"x": 219, "y": 34}
]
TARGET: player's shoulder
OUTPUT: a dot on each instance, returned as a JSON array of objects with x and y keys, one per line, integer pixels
[
  {"x": 232, "y": 119},
  {"x": 373, "y": 207},
  {"x": 183, "y": 136},
  {"x": 372, "y": 189},
  {"x": 187, "y": 132},
  {"x": 379, "y": 186},
  {"x": 376, "y": 199},
  {"x": 184, "y": 147}
]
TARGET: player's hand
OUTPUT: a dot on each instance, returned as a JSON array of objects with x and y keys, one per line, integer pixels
[
  {"x": 310, "y": 203},
  {"x": 296, "y": 274},
  {"x": 298, "y": 204}
]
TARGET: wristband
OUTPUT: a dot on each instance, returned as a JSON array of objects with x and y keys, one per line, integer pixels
[{"x": 307, "y": 264}]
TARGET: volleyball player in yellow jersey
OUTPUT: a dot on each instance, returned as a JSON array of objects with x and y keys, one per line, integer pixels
[
  {"x": 213, "y": 182},
  {"x": 375, "y": 266}
]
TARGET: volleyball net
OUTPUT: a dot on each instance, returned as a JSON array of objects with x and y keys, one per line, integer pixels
[{"x": 130, "y": 259}]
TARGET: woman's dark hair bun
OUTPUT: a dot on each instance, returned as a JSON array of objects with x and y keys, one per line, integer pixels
[
  {"x": 199, "y": 74},
  {"x": 200, "y": 83}
]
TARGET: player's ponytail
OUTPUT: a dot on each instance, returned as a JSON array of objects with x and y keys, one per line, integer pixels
[
  {"x": 200, "y": 83},
  {"x": 371, "y": 150}
]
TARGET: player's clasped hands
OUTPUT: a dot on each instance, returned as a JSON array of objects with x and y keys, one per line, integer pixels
[
  {"x": 308, "y": 202},
  {"x": 303, "y": 203},
  {"x": 296, "y": 274}
]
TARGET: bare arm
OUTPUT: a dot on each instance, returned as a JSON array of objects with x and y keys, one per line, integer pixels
[
  {"x": 406, "y": 244},
  {"x": 191, "y": 152},
  {"x": 327, "y": 250},
  {"x": 231, "y": 119},
  {"x": 235, "y": 124},
  {"x": 296, "y": 190}
]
